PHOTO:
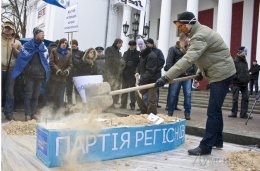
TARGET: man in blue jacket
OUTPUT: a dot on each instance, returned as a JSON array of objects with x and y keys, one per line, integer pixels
[{"x": 33, "y": 63}]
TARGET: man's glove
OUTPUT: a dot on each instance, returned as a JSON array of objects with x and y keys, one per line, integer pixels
[
  {"x": 161, "y": 82},
  {"x": 59, "y": 72},
  {"x": 199, "y": 77},
  {"x": 66, "y": 72}
]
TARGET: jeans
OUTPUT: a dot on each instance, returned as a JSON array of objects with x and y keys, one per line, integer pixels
[
  {"x": 174, "y": 90},
  {"x": 252, "y": 83},
  {"x": 8, "y": 93},
  {"x": 214, "y": 126},
  {"x": 32, "y": 92},
  {"x": 244, "y": 100}
]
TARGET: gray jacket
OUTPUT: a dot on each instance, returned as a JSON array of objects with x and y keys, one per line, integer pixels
[{"x": 210, "y": 54}]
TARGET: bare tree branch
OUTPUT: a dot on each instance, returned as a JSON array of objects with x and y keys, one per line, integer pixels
[{"x": 16, "y": 12}]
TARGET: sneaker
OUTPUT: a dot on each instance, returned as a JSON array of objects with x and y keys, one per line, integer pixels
[
  {"x": 198, "y": 152},
  {"x": 232, "y": 115}
]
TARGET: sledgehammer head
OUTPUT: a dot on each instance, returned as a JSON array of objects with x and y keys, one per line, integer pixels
[{"x": 98, "y": 96}]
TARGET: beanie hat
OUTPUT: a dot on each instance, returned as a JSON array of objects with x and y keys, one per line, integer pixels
[
  {"x": 36, "y": 30},
  {"x": 186, "y": 18},
  {"x": 243, "y": 49},
  {"x": 132, "y": 43},
  {"x": 150, "y": 41}
]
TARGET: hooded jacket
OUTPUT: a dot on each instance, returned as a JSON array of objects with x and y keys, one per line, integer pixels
[
  {"x": 87, "y": 66},
  {"x": 209, "y": 53}
]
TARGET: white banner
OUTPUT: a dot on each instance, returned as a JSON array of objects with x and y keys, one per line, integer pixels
[
  {"x": 137, "y": 4},
  {"x": 71, "y": 20},
  {"x": 81, "y": 81}
]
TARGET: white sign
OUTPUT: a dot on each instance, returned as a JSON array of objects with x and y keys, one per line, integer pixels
[
  {"x": 137, "y": 4},
  {"x": 81, "y": 81},
  {"x": 155, "y": 119},
  {"x": 71, "y": 20}
]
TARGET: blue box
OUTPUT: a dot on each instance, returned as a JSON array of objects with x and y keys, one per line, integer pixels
[{"x": 110, "y": 143}]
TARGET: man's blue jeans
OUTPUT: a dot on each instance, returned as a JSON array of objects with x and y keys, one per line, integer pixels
[
  {"x": 214, "y": 126},
  {"x": 174, "y": 90},
  {"x": 8, "y": 93}
]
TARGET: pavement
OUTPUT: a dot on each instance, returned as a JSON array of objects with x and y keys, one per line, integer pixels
[{"x": 235, "y": 130}]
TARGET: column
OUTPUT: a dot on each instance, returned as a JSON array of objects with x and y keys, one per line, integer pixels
[
  {"x": 224, "y": 20},
  {"x": 126, "y": 18},
  {"x": 165, "y": 21},
  {"x": 247, "y": 27},
  {"x": 258, "y": 40},
  {"x": 193, "y": 6},
  {"x": 144, "y": 17}
]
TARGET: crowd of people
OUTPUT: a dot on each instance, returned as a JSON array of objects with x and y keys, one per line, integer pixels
[{"x": 50, "y": 71}]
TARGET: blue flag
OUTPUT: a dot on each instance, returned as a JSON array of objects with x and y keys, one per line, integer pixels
[{"x": 60, "y": 3}]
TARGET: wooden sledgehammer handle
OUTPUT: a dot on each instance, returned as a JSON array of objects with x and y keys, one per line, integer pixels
[{"x": 147, "y": 86}]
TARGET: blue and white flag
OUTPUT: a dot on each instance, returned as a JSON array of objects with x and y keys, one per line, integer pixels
[{"x": 60, "y": 3}]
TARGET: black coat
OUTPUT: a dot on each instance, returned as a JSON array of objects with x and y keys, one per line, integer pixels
[
  {"x": 174, "y": 55},
  {"x": 86, "y": 68},
  {"x": 254, "y": 72},
  {"x": 112, "y": 60},
  {"x": 131, "y": 58},
  {"x": 242, "y": 76},
  {"x": 147, "y": 67},
  {"x": 76, "y": 58}
]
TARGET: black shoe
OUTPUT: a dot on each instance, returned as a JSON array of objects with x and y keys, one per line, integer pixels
[
  {"x": 232, "y": 115},
  {"x": 9, "y": 117},
  {"x": 169, "y": 113},
  {"x": 187, "y": 117},
  {"x": 158, "y": 106},
  {"x": 246, "y": 116},
  {"x": 198, "y": 152}
]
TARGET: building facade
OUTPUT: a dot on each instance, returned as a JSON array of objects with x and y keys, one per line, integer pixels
[{"x": 100, "y": 21}]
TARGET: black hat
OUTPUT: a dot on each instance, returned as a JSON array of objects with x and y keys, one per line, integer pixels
[
  {"x": 186, "y": 18},
  {"x": 132, "y": 43},
  {"x": 243, "y": 49},
  {"x": 99, "y": 48},
  {"x": 150, "y": 41},
  {"x": 36, "y": 30}
]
